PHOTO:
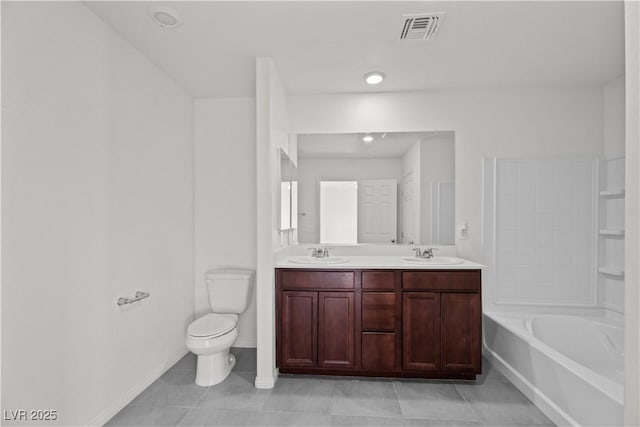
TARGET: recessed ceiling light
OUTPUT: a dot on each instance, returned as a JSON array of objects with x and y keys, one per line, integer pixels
[
  {"x": 367, "y": 139},
  {"x": 374, "y": 78},
  {"x": 165, "y": 16}
]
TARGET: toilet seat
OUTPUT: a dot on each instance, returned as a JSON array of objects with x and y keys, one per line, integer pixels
[{"x": 212, "y": 325}]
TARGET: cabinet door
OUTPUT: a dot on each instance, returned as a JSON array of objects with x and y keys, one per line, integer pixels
[
  {"x": 299, "y": 328},
  {"x": 336, "y": 329},
  {"x": 461, "y": 330},
  {"x": 421, "y": 331}
]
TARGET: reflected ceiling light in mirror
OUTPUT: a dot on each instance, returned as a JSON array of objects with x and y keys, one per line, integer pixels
[
  {"x": 367, "y": 139},
  {"x": 374, "y": 77},
  {"x": 164, "y": 16}
]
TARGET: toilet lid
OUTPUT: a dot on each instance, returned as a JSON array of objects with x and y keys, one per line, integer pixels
[{"x": 213, "y": 325}]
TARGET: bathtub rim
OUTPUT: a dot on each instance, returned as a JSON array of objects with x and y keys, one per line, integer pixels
[
  {"x": 531, "y": 391},
  {"x": 539, "y": 399},
  {"x": 612, "y": 389}
]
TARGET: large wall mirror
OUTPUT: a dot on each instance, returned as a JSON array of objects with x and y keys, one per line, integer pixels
[{"x": 393, "y": 187}]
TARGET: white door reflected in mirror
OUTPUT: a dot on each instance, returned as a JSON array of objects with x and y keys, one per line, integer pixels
[
  {"x": 339, "y": 212},
  {"x": 362, "y": 211},
  {"x": 377, "y": 210}
]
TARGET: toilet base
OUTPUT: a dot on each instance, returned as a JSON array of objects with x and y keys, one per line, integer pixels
[{"x": 215, "y": 368}]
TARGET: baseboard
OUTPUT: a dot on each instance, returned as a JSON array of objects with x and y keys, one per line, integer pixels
[
  {"x": 245, "y": 343},
  {"x": 267, "y": 382},
  {"x": 138, "y": 388}
]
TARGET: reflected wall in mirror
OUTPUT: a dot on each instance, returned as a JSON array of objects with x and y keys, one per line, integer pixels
[
  {"x": 404, "y": 183},
  {"x": 288, "y": 193}
]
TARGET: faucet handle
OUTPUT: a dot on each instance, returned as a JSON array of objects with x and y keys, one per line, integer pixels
[
  {"x": 319, "y": 252},
  {"x": 428, "y": 253},
  {"x": 418, "y": 251}
]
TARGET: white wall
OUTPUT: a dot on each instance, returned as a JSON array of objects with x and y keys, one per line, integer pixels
[
  {"x": 225, "y": 203},
  {"x": 312, "y": 170},
  {"x": 488, "y": 122},
  {"x": 632, "y": 213},
  {"x": 614, "y": 118},
  {"x": 272, "y": 134},
  {"x": 97, "y": 192}
]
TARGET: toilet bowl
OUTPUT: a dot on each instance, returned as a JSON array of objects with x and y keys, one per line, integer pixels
[{"x": 211, "y": 336}]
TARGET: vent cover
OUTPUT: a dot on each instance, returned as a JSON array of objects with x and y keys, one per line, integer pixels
[{"x": 421, "y": 26}]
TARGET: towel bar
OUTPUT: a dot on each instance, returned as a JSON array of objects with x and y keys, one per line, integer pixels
[{"x": 139, "y": 296}]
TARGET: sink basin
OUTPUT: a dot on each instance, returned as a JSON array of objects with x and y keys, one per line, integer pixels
[
  {"x": 437, "y": 260},
  {"x": 314, "y": 260}
]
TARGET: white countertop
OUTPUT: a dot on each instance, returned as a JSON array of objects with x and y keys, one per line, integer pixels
[{"x": 377, "y": 262}]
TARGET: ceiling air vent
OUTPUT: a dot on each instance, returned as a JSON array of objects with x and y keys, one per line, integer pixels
[{"x": 421, "y": 26}]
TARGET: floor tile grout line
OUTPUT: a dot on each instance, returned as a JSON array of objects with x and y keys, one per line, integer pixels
[
  {"x": 476, "y": 418},
  {"x": 183, "y": 417},
  {"x": 202, "y": 397},
  {"x": 478, "y": 415},
  {"x": 395, "y": 391}
]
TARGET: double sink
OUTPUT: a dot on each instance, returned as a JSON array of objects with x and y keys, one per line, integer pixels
[{"x": 310, "y": 260}]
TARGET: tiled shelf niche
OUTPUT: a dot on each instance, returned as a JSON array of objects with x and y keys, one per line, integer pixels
[{"x": 611, "y": 234}]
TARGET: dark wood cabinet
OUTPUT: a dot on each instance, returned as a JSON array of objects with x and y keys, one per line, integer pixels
[
  {"x": 336, "y": 330},
  {"x": 299, "y": 319},
  {"x": 461, "y": 332},
  {"x": 316, "y": 325},
  {"x": 398, "y": 323},
  {"x": 421, "y": 331},
  {"x": 379, "y": 311},
  {"x": 378, "y": 351}
]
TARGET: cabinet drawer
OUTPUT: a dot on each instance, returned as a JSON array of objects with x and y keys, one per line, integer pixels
[
  {"x": 379, "y": 280},
  {"x": 378, "y": 351},
  {"x": 378, "y": 311},
  {"x": 317, "y": 279},
  {"x": 442, "y": 280}
]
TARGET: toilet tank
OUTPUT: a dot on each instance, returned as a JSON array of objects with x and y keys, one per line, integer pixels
[{"x": 229, "y": 289}]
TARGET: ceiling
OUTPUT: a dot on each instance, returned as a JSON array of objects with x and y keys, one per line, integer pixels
[
  {"x": 327, "y": 46},
  {"x": 350, "y": 145}
]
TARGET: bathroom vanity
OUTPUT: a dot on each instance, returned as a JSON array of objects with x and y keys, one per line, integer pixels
[{"x": 398, "y": 322}]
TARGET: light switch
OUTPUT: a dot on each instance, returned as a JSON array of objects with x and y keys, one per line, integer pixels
[{"x": 463, "y": 231}]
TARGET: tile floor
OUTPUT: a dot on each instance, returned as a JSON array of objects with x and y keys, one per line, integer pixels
[{"x": 175, "y": 400}]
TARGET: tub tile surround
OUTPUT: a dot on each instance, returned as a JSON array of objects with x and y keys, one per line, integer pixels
[
  {"x": 300, "y": 400},
  {"x": 545, "y": 231}
]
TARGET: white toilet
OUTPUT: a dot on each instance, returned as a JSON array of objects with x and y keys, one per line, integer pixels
[{"x": 211, "y": 336}]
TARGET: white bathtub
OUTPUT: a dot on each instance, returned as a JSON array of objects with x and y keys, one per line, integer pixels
[{"x": 571, "y": 367}]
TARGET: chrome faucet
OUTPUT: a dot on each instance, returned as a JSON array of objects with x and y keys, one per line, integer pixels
[
  {"x": 424, "y": 253},
  {"x": 319, "y": 252}
]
